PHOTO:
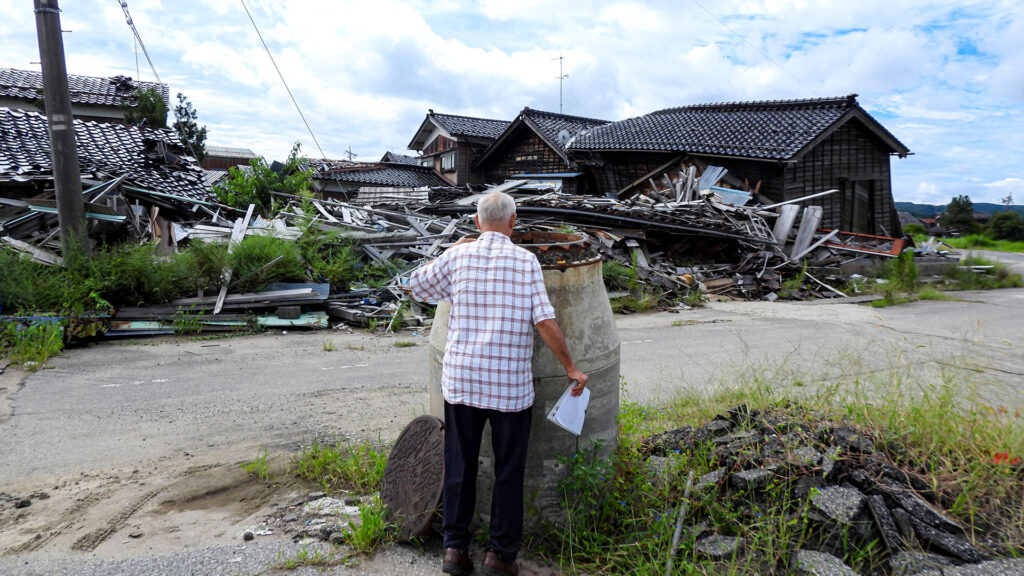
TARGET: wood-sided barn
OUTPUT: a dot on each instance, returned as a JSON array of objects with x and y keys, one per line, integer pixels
[{"x": 794, "y": 148}]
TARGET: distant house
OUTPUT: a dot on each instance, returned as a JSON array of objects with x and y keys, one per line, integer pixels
[
  {"x": 393, "y": 158},
  {"x": 224, "y": 157},
  {"x": 345, "y": 180},
  {"x": 451, "y": 144},
  {"x": 152, "y": 159},
  {"x": 534, "y": 145},
  {"x": 92, "y": 98},
  {"x": 793, "y": 147}
]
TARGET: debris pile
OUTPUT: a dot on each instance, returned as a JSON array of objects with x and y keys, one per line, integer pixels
[
  {"x": 681, "y": 232},
  {"x": 842, "y": 491}
]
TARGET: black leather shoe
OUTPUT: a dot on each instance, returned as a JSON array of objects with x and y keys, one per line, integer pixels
[
  {"x": 495, "y": 566},
  {"x": 456, "y": 562}
]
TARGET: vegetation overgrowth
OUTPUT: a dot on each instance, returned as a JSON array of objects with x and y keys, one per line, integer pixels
[{"x": 619, "y": 515}]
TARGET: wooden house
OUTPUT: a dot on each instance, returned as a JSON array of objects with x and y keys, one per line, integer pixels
[
  {"x": 794, "y": 148},
  {"x": 450, "y": 144},
  {"x": 533, "y": 146},
  {"x": 92, "y": 98}
]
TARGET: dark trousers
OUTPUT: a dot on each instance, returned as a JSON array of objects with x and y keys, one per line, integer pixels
[{"x": 510, "y": 435}]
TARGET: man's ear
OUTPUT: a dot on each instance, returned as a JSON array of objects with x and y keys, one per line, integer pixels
[
  {"x": 476, "y": 219},
  {"x": 512, "y": 222}
]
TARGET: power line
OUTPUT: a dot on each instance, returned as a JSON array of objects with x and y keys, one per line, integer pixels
[
  {"x": 744, "y": 40},
  {"x": 265, "y": 47},
  {"x": 131, "y": 24}
]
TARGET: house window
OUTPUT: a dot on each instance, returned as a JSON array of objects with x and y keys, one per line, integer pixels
[
  {"x": 427, "y": 162},
  {"x": 448, "y": 162}
]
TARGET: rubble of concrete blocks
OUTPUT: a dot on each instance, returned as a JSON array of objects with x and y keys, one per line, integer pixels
[{"x": 853, "y": 493}]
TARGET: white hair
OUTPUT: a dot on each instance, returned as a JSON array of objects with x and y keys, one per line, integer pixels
[{"x": 496, "y": 208}]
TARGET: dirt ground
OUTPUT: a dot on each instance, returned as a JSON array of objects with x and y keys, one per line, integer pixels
[{"x": 123, "y": 457}]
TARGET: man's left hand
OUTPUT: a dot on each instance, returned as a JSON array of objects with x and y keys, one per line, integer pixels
[{"x": 581, "y": 381}]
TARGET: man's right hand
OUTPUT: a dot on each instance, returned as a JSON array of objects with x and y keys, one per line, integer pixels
[{"x": 464, "y": 240}]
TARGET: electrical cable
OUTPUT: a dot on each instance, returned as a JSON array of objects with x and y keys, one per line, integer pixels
[
  {"x": 744, "y": 40},
  {"x": 272, "y": 61},
  {"x": 131, "y": 24}
]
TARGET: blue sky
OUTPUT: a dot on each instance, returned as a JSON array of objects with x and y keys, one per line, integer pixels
[{"x": 946, "y": 77}]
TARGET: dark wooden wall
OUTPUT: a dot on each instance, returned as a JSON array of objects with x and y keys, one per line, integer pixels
[
  {"x": 850, "y": 158},
  {"x": 523, "y": 152}
]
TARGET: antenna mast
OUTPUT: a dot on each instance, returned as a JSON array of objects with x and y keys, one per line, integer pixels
[{"x": 561, "y": 78}]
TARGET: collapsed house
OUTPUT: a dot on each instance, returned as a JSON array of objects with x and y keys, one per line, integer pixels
[
  {"x": 533, "y": 146},
  {"x": 450, "y": 144},
  {"x": 372, "y": 181},
  {"x": 92, "y": 98},
  {"x": 783, "y": 150}
]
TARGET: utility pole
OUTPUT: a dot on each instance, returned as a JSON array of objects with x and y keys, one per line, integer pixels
[{"x": 67, "y": 179}]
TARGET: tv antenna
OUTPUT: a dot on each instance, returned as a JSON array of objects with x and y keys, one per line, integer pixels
[
  {"x": 350, "y": 154},
  {"x": 561, "y": 78}
]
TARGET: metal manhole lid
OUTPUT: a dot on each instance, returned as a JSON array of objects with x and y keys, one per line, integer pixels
[{"x": 414, "y": 476}]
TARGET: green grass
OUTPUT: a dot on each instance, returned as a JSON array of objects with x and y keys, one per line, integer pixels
[
  {"x": 619, "y": 519},
  {"x": 980, "y": 242},
  {"x": 310, "y": 556},
  {"x": 259, "y": 467},
  {"x": 404, "y": 344},
  {"x": 328, "y": 345},
  {"x": 373, "y": 530},
  {"x": 358, "y": 467},
  {"x": 31, "y": 346}
]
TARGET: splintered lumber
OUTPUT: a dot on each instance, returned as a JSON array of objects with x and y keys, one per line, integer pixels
[
  {"x": 38, "y": 255},
  {"x": 784, "y": 224},
  {"x": 237, "y": 234},
  {"x": 808, "y": 224}
]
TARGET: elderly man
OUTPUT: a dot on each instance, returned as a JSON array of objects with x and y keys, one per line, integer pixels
[{"x": 497, "y": 293}]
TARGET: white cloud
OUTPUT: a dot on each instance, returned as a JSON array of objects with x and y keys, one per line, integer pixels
[{"x": 942, "y": 75}]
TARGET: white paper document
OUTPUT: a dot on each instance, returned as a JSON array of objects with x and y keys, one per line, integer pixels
[{"x": 569, "y": 411}]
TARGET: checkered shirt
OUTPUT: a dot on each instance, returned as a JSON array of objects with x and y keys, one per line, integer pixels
[{"x": 497, "y": 293}]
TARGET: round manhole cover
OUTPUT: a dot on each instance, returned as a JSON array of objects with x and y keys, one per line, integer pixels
[{"x": 414, "y": 476}]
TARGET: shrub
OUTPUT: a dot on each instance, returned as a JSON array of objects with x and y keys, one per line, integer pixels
[
  {"x": 914, "y": 229},
  {"x": 253, "y": 263},
  {"x": 1007, "y": 226}
]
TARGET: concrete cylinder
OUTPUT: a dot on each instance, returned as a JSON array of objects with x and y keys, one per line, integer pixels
[{"x": 577, "y": 293}]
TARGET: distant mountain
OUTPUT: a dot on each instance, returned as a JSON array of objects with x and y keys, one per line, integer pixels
[{"x": 930, "y": 210}]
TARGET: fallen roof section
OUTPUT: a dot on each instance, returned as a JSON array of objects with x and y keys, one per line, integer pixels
[{"x": 90, "y": 90}]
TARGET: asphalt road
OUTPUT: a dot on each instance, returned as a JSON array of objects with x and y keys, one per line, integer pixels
[{"x": 117, "y": 407}]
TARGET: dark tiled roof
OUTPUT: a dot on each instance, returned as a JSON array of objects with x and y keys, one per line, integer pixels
[
  {"x": 549, "y": 124},
  {"x": 469, "y": 126},
  {"x": 90, "y": 90},
  {"x": 375, "y": 174},
  {"x": 103, "y": 149},
  {"x": 393, "y": 158},
  {"x": 776, "y": 130}
]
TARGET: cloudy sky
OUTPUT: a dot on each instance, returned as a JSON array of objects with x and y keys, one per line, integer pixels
[{"x": 946, "y": 76}]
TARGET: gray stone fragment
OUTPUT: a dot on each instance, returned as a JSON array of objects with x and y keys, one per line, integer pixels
[
  {"x": 710, "y": 479},
  {"x": 812, "y": 563},
  {"x": 716, "y": 428},
  {"x": 924, "y": 511},
  {"x": 659, "y": 467},
  {"x": 946, "y": 542},
  {"x": 807, "y": 456},
  {"x": 805, "y": 484},
  {"x": 852, "y": 441},
  {"x": 902, "y": 519},
  {"x": 828, "y": 461},
  {"x": 1013, "y": 567},
  {"x": 291, "y": 517},
  {"x": 248, "y": 535},
  {"x": 839, "y": 503},
  {"x": 753, "y": 479},
  {"x": 910, "y": 563},
  {"x": 720, "y": 547},
  {"x": 744, "y": 437},
  {"x": 337, "y": 538},
  {"x": 886, "y": 526}
]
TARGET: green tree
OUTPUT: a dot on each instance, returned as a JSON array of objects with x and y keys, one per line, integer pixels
[
  {"x": 187, "y": 126},
  {"x": 959, "y": 214},
  {"x": 150, "y": 106},
  {"x": 1006, "y": 226},
  {"x": 254, "y": 186}
]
